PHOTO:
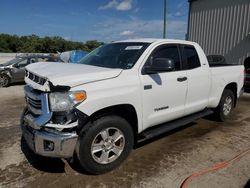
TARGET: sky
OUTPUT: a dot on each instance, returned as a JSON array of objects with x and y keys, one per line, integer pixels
[{"x": 102, "y": 20}]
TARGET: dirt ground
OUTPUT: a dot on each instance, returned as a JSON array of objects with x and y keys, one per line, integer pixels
[{"x": 162, "y": 162}]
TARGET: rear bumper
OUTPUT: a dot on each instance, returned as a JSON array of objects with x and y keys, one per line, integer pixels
[{"x": 49, "y": 144}]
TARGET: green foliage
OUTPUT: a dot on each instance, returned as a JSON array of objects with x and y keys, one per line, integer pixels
[{"x": 36, "y": 44}]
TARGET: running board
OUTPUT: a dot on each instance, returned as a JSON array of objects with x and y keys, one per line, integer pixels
[{"x": 169, "y": 126}]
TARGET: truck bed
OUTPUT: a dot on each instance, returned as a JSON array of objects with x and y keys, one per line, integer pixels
[{"x": 221, "y": 65}]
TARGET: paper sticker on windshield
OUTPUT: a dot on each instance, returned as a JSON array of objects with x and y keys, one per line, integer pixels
[{"x": 133, "y": 47}]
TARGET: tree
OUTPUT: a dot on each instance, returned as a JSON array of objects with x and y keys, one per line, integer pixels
[
  {"x": 36, "y": 44},
  {"x": 93, "y": 44}
]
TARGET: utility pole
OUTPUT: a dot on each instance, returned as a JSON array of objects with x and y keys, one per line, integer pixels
[{"x": 165, "y": 19}]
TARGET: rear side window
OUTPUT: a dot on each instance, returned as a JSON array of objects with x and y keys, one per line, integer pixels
[
  {"x": 23, "y": 63},
  {"x": 191, "y": 56}
]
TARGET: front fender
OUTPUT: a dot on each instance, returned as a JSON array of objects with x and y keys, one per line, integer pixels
[
  {"x": 6, "y": 72},
  {"x": 124, "y": 89}
]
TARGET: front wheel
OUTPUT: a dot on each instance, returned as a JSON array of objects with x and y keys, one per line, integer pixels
[
  {"x": 105, "y": 144},
  {"x": 4, "y": 80},
  {"x": 226, "y": 105}
]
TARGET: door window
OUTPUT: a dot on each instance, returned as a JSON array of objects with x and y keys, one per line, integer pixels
[
  {"x": 26, "y": 62},
  {"x": 23, "y": 63},
  {"x": 166, "y": 51}
]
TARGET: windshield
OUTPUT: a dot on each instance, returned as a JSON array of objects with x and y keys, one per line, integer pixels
[
  {"x": 13, "y": 61},
  {"x": 115, "y": 55}
]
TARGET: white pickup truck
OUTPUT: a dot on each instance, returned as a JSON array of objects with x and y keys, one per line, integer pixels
[{"x": 120, "y": 94}]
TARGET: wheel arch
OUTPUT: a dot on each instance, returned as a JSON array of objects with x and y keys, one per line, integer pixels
[
  {"x": 126, "y": 111},
  {"x": 7, "y": 73}
]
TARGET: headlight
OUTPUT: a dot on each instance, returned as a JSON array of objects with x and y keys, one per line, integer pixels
[{"x": 66, "y": 101}]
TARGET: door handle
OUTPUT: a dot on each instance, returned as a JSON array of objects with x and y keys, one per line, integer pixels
[
  {"x": 146, "y": 87},
  {"x": 182, "y": 79}
]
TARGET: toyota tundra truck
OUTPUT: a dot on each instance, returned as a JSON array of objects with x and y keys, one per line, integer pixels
[{"x": 121, "y": 94}]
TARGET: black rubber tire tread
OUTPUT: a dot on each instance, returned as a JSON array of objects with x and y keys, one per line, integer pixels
[{"x": 88, "y": 133}]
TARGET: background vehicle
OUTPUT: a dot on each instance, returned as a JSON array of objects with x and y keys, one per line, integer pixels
[
  {"x": 121, "y": 94},
  {"x": 14, "y": 70}
]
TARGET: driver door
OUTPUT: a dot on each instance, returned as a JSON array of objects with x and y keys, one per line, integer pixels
[
  {"x": 164, "y": 93},
  {"x": 18, "y": 72}
]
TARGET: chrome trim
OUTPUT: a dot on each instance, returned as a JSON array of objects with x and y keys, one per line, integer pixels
[
  {"x": 44, "y": 112},
  {"x": 28, "y": 91},
  {"x": 30, "y": 121},
  {"x": 64, "y": 143},
  {"x": 34, "y": 118},
  {"x": 64, "y": 126},
  {"x": 34, "y": 110}
]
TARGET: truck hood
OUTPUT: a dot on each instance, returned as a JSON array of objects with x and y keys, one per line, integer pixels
[{"x": 68, "y": 74}]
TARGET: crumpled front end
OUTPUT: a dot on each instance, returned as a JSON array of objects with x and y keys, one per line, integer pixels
[
  {"x": 48, "y": 133},
  {"x": 36, "y": 81}
]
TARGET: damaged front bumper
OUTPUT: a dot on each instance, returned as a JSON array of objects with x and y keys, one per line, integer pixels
[
  {"x": 43, "y": 136},
  {"x": 50, "y": 144}
]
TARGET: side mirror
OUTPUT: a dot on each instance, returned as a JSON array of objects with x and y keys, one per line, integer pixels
[{"x": 159, "y": 65}]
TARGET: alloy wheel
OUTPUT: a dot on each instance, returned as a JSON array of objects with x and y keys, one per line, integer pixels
[
  {"x": 108, "y": 145},
  {"x": 228, "y": 104}
]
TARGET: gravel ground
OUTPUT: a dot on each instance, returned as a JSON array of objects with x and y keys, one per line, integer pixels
[{"x": 163, "y": 162}]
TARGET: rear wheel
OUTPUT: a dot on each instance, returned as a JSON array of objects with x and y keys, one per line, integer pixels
[
  {"x": 105, "y": 144},
  {"x": 226, "y": 105},
  {"x": 4, "y": 80}
]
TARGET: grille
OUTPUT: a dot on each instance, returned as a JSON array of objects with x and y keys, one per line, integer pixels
[
  {"x": 38, "y": 108},
  {"x": 34, "y": 106},
  {"x": 35, "y": 78},
  {"x": 34, "y": 102}
]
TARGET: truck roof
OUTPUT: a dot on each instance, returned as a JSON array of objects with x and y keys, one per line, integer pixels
[{"x": 157, "y": 40}]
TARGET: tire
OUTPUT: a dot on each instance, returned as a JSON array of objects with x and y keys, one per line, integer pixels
[
  {"x": 226, "y": 105},
  {"x": 4, "y": 80},
  {"x": 104, "y": 144}
]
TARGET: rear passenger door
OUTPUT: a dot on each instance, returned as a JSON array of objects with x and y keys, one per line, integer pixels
[{"x": 198, "y": 80}]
